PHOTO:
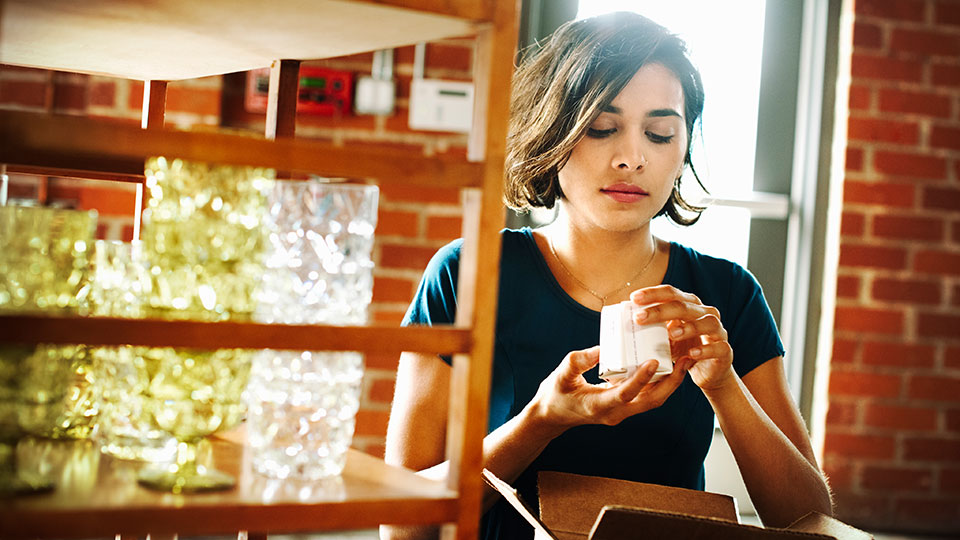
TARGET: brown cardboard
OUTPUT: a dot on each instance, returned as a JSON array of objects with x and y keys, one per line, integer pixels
[{"x": 575, "y": 507}]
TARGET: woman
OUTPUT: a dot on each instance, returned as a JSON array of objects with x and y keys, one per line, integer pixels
[{"x": 601, "y": 123}]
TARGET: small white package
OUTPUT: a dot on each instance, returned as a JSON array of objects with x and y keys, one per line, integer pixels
[{"x": 625, "y": 345}]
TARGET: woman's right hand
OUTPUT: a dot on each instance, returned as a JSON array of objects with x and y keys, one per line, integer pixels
[{"x": 565, "y": 399}]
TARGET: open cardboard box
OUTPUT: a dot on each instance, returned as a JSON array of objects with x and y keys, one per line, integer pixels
[{"x": 574, "y": 507}]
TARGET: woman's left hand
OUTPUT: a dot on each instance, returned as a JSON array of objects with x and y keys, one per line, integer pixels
[{"x": 696, "y": 328}]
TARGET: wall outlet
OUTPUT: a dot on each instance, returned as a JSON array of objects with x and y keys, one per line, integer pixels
[{"x": 374, "y": 96}]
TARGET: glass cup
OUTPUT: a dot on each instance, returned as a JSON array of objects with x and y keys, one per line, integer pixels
[{"x": 319, "y": 269}]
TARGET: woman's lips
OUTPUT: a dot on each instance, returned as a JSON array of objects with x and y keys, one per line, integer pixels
[{"x": 624, "y": 193}]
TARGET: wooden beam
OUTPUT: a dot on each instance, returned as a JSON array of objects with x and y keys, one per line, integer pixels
[
  {"x": 282, "y": 99},
  {"x": 219, "y": 335},
  {"x": 154, "y": 104}
]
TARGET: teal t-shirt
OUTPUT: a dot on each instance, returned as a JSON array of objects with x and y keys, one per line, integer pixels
[{"x": 538, "y": 323}]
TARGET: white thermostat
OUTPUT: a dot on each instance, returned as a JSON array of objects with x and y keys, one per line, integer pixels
[{"x": 438, "y": 105}]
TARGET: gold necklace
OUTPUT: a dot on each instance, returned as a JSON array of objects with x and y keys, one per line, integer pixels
[{"x": 601, "y": 297}]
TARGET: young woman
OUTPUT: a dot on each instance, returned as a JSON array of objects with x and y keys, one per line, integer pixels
[{"x": 602, "y": 120}]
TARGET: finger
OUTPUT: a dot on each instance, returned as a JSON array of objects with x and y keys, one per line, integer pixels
[
  {"x": 657, "y": 393},
  {"x": 661, "y": 293},
  {"x": 630, "y": 388},
  {"x": 717, "y": 349},
  {"x": 668, "y": 311},
  {"x": 708, "y": 325},
  {"x": 577, "y": 362}
]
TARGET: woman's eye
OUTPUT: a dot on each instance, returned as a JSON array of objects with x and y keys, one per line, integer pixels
[
  {"x": 600, "y": 133},
  {"x": 659, "y": 139}
]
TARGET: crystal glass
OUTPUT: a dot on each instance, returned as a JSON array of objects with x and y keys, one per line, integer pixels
[
  {"x": 125, "y": 429},
  {"x": 192, "y": 394},
  {"x": 319, "y": 270},
  {"x": 204, "y": 239}
]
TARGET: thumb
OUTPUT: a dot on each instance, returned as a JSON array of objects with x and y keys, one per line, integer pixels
[{"x": 578, "y": 362}]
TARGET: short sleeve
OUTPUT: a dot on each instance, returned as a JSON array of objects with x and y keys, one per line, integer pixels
[
  {"x": 753, "y": 333},
  {"x": 435, "y": 301}
]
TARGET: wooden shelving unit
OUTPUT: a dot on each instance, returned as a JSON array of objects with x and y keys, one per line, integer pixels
[{"x": 176, "y": 39}]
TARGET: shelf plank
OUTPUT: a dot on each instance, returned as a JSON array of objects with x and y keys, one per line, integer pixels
[
  {"x": 185, "y": 39},
  {"x": 97, "y": 496},
  {"x": 208, "y": 335},
  {"x": 110, "y": 146}
]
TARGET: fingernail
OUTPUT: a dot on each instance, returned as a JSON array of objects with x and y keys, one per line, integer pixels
[
  {"x": 676, "y": 332},
  {"x": 642, "y": 315},
  {"x": 695, "y": 352}
]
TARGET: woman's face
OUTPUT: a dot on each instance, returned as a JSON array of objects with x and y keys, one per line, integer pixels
[{"x": 622, "y": 171}]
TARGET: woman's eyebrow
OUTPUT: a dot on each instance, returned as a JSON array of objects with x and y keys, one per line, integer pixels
[{"x": 655, "y": 113}]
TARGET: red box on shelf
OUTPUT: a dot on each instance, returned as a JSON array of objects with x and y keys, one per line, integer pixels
[{"x": 321, "y": 92}]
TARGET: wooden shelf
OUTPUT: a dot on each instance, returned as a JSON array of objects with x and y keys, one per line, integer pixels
[
  {"x": 185, "y": 39},
  {"x": 97, "y": 496},
  {"x": 208, "y": 335},
  {"x": 79, "y": 143}
]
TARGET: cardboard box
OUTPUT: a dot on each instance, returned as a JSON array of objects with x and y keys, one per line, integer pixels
[{"x": 575, "y": 507}]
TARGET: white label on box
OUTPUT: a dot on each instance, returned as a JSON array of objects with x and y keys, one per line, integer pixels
[{"x": 625, "y": 345}]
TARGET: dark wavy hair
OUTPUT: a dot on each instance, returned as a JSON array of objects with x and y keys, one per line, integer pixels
[{"x": 562, "y": 88}]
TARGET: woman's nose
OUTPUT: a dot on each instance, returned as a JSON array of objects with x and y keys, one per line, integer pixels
[{"x": 629, "y": 154}]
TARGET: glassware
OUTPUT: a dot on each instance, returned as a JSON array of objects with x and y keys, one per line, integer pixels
[
  {"x": 192, "y": 394},
  {"x": 319, "y": 270}
]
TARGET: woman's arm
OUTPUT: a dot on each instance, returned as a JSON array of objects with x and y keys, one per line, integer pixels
[
  {"x": 417, "y": 428},
  {"x": 757, "y": 415}
]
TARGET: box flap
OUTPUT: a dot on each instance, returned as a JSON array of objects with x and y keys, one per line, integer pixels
[
  {"x": 624, "y": 523},
  {"x": 571, "y": 502},
  {"x": 515, "y": 501},
  {"x": 819, "y": 523}
]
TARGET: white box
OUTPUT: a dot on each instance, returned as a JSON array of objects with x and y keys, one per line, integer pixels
[
  {"x": 438, "y": 105},
  {"x": 625, "y": 345}
]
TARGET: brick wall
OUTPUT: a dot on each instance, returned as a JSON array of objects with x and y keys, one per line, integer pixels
[
  {"x": 892, "y": 447},
  {"x": 413, "y": 221}
]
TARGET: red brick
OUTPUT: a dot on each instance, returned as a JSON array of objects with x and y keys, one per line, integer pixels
[
  {"x": 854, "y": 159},
  {"x": 937, "y": 262},
  {"x": 845, "y": 351},
  {"x": 439, "y": 56},
  {"x": 896, "y": 10},
  {"x": 127, "y": 234},
  {"x": 24, "y": 93},
  {"x": 841, "y": 413},
  {"x": 859, "y": 446},
  {"x": 909, "y": 228},
  {"x": 361, "y": 122},
  {"x": 200, "y": 101},
  {"x": 912, "y": 291},
  {"x": 869, "y": 320},
  {"x": 946, "y": 75},
  {"x": 848, "y": 287},
  {"x": 872, "y": 256},
  {"x": 906, "y": 355},
  {"x": 932, "y": 449},
  {"x": 135, "y": 95},
  {"x": 388, "y": 316},
  {"x": 868, "y": 66},
  {"x": 101, "y": 233},
  {"x": 953, "y": 420},
  {"x": 955, "y": 238},
  {"x": 108, "y": 202},
  {"x": 897, "y": 478},
  {"x": 945, "y": 137},
  {"x": 103, "y": 94},
  {"x": 926, "y": 103},
  {"x": 880, "y": 193},
  {"x": 939, "y": 325},
  {"x": 372, "y": 422},
  {"x": 394, "y": 256},
  {"x": 883, "y": 130},
  {"x": 932, "y": 513},
  {"x": 69, "y": 97},
  {"x": 444, "y": 228},
  {"x": 925, "y": 42},
  {"x": 949, "y": 480},
  {"x": 397, "y": 223},
  {"x": 398, "y": 192},
  {"x": 909, "y": 164},
  {"x": 381, "y": 391},
  {"x": 866, "y": 35},
  {"x": 901, "y": 417},
  {"x": 860, "y": 97},
  {"x": 868, "y": 511},
  {"x": 934, "y": 388},
  {"x": 951, "y": 357},
  {"x": 392, "y": 289},
  {"x": 941, "y": 198},
  {"x": 852, "y": 224},
  {"x": 864, "y": 384},
  {"x": 946, "y": 12}
]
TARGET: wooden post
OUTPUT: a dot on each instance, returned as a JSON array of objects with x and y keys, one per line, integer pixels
[
  {"x": 153, "y": 110},
  {"x": 282, "y": 99}
]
